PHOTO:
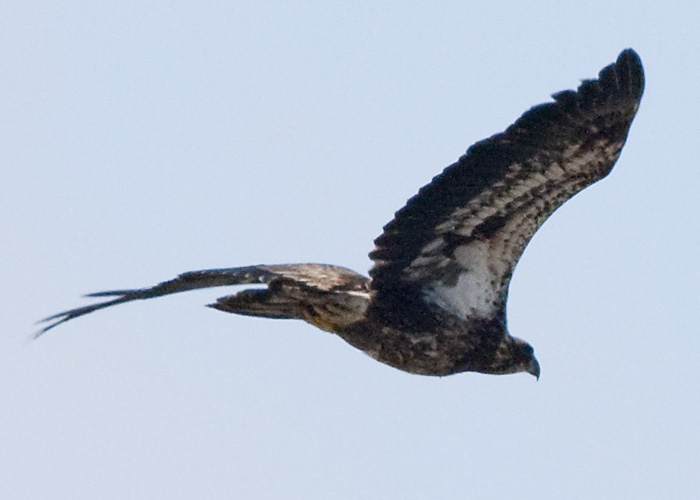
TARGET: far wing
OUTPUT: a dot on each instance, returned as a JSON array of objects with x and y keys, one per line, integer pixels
[
  {"x": 458, "y": 240},
  {"x": 312, "y": 277}
]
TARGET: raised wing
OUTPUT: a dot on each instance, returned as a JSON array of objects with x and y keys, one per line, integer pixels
[{"x": 457, "y": 241}]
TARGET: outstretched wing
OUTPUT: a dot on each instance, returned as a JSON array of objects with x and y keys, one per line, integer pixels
[
  {"x": 457, "y": 241},
  {"x": 312, "y": 278}
]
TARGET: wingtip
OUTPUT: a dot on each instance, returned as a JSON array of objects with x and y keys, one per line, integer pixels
[
  {"x": 620, "y": 84},
  {"x": 34, "y": 336},
  {"x": 630, "y": 56},
  {"x": 53, "y": 321},
  {"x": 50, "y": 323},
  {"x": 631, "y": 71}
]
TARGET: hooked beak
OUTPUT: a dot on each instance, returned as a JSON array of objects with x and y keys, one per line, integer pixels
[{"x": 534, "y": 368}]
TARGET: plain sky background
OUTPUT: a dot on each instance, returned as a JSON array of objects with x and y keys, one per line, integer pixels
[{"x": 143, "y": 139}]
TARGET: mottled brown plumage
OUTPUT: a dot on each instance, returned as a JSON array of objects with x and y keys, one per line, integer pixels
[{"x": 435, "y": 301}]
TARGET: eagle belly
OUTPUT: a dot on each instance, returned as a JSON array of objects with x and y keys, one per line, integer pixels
[{"x": 453, "y": 346}]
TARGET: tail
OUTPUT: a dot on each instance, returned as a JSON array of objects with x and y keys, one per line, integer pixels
[{"x": 294, "y": 291}]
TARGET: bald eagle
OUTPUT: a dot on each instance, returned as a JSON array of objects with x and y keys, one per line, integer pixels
[{"x": 435, "y": 300}]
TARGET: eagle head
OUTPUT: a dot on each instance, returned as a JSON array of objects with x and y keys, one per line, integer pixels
[{"x": 512, "y": 356}]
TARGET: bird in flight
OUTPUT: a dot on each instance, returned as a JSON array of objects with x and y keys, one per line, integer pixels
[{"x": 435, "y": 299}]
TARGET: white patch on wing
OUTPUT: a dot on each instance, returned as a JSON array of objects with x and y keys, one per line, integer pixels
[
  {"x": 554, "y": 172},
  {"x": 433, "y": 245},
  {"x": 476, "y": 292},
  {"x": 520, "y": 185},
  {"x": 429, "y": 257}
]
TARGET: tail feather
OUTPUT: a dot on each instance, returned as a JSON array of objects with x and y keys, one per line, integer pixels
[{"x": 261, "y": 303}]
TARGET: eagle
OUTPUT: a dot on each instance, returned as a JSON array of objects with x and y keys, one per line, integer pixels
[{"x": 435, "y": 299}]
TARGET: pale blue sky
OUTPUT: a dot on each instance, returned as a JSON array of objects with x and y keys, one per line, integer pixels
[{"x": 143, "y": 139}]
